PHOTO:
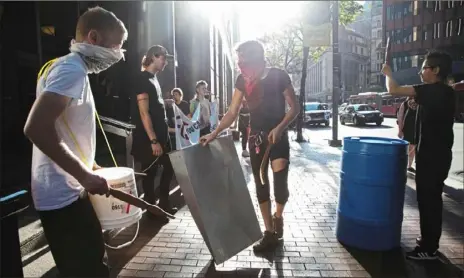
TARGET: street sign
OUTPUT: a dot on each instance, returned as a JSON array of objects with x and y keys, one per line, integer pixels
[{"x": 316, "y": 36}]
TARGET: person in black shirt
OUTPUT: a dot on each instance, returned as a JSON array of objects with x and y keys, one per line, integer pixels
[
  {"x": 436, "y": 102},
  {"x": 151, "y": 138},
  {"x": 266, "y": 90},
  {"x": 177, "y": 95},
  {"x": 407, "y": 116}
]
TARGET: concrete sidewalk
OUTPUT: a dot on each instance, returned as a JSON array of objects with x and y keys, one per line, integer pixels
[{"x": 310, "y": 248}]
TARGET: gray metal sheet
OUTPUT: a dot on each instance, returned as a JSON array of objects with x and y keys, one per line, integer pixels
[{"x": 215, "y": 190}]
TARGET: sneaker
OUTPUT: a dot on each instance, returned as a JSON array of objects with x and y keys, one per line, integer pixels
[
  {"x": 411, "y": 170},
  {"x": 419, "y": 254},
  {"x": 278, "y": 225},
  {"x": 245, "y": 153},
  {"x": 268, "y": 242}
]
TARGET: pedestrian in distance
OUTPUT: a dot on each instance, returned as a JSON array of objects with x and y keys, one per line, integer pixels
[{"x": 407, "y": 119}]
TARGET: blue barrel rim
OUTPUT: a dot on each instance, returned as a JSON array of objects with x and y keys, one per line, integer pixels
[{"x": 380, "y": 140}]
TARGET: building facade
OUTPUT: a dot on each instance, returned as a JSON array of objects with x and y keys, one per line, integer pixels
[
  {"x": 353, "y": 48},
  {"x": 202, "y": 49},
  {"x": 370, "y": 25},
  {"x": 414, "y": 27}
]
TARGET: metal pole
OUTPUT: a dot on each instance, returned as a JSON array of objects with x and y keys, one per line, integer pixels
[
  {"x": 299, "y": 124},
  {"x": 336, "y": 76}
]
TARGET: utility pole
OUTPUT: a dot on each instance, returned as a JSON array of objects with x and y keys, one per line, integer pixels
[
  {"x": 299, "y": 123},
  {"x": 315, "y": 34},
  {"x": 335, "y": 142}
]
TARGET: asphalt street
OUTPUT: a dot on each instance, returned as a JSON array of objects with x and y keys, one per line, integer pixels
[{"x": 321, "y": 135}]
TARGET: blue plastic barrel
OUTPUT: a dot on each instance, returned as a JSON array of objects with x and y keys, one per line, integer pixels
[{"x": 371, "y": 196}]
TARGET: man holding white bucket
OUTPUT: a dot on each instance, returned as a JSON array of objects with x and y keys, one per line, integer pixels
[{"x": 61, "y": 125}]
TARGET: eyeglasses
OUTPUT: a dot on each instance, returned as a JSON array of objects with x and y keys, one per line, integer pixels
[{"x": 427, "y": 67}]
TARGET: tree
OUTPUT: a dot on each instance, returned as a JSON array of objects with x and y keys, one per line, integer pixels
[{"x": 284, "y": 49}]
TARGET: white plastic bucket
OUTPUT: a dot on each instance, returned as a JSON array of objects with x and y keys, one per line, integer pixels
[{"x": 114, "y": 213}]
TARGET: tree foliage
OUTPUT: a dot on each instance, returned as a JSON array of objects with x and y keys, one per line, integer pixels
[{"x": 284, "y": 49}]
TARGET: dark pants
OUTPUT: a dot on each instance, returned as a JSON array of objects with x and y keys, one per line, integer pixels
[
  {"x": 279, "y": 150},
  {"x": 243, "y": 123},
  {"x": 432, "y": 169},
  {"x": 148, "y": 181},
  {"x": 74, "y": 235},
  {"x": 205, "y": 131}
]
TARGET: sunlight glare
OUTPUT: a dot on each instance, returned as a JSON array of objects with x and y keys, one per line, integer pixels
[{"x": 260, "y": 18}]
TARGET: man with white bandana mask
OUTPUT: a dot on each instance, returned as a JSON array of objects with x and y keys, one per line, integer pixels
[{"x": 61, "y": 125}]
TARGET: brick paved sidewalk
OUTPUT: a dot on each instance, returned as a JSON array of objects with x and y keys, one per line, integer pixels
[{"x": 310, "y": 248}]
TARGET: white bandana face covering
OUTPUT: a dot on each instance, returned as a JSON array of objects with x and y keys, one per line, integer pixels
[{"x": 97, "y": 58}]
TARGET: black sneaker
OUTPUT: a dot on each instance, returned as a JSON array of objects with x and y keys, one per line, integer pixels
[
  {"x": 278, "y": 225},
  {"x": 422, "y": 255},
  {"x": 268, "y": 242},
  {"x": 411, "y": 170}
]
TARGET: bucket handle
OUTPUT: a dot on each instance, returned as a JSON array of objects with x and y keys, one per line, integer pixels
[{"x": 127, "y": 243}]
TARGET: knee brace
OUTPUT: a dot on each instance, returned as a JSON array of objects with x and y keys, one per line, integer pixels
[
  {"x": 281, "y": 186},
  {"x": 262, "y": 190}
]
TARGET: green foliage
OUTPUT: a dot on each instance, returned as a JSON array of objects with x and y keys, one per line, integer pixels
[{"x": 284, "y": 49}]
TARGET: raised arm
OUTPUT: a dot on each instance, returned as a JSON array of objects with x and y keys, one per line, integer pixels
[{"x": 393, "y": 88}]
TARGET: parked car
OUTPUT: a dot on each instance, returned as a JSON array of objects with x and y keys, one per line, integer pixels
[
  {"x": 360, "y": 114},
  {"x": 316, "y": 113}
]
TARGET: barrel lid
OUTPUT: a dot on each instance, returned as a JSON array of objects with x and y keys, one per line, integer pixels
[
  {"x": 377, "y": 140},
  {"x": 114, "y": 173}
]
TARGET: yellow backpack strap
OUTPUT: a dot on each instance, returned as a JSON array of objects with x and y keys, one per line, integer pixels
[
  {"x": 44, "y": 72},
  {"x": 45, "y": 68}
]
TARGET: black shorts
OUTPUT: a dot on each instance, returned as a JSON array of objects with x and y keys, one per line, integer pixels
[
  {"x": 279, "y": 150},
  {"x": 409, "y": 135}
]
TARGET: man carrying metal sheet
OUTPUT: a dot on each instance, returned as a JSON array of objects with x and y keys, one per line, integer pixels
[{"x": 266, "y": 90}]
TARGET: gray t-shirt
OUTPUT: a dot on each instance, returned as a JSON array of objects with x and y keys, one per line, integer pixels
[{"x": 52, "y": 187}]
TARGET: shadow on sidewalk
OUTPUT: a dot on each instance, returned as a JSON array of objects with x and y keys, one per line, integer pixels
[
  {"x": 149, "y": 228},
  {"x": 210, "y": 271},
  {"x": 392, "y": 264}
]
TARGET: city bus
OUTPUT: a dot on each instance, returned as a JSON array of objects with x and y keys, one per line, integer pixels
[{"x": 384, "y": 102}]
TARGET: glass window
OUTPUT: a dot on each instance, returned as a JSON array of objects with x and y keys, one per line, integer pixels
[
  {"x": 415, "y": 61},
  {"x": 459, "y": 28},
  {"x": 449, "y": 28},
  {"x": 425, "y": 32},
  {"x": 416, "y": 7},
  {"x": 414, "y": 33}
]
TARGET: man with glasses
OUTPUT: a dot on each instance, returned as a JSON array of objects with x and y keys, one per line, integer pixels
[{"x": 436, "y": 100}]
